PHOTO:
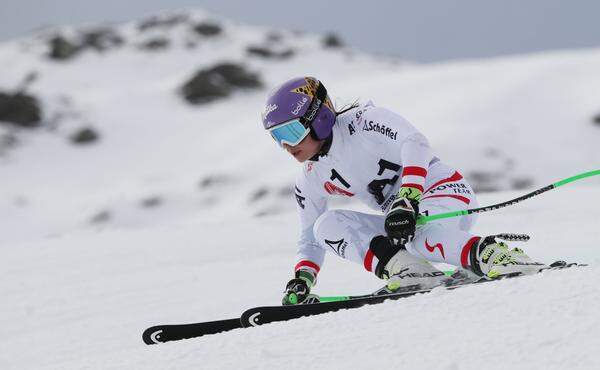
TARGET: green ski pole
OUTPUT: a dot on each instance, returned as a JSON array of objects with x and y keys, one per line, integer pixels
[
  {"x": 422, "y": 220},
  {"x": 347, "y": 297}
]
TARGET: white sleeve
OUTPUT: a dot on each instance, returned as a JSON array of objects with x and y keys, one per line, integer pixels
[
  {"x": 310, "y": 206},
  {"x": 403, "y": 142},
  {"x": 416, "y": 155}
]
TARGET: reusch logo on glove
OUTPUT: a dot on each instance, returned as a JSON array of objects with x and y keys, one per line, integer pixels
[{"x": 398, "y": 223}]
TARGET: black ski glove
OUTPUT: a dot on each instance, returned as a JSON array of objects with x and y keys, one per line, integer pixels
[
  {"x": 297, "y": 290},
  {"x": 401, "y": 219}
]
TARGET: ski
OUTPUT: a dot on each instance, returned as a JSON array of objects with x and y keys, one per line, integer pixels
[
  {"x": 167, "y": 333},
  {"x": 263, "y": 315}
]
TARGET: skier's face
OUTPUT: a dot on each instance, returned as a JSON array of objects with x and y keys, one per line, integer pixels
[{"x": 305, "y": 150}]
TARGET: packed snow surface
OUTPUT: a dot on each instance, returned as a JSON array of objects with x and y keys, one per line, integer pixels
[
  {"x": 82, "y": 300},
  {"x": 217, "y": 232}
]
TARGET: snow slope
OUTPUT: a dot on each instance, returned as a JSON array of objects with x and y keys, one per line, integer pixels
[
  {"x": 77, "y": 294},
  {"x": 82, "y": 300}
]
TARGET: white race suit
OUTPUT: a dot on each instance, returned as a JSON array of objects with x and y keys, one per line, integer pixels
[{"x": 374, "y": 152}]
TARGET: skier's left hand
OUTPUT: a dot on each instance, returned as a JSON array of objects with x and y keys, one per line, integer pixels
[{"x": 401, "y": 219}]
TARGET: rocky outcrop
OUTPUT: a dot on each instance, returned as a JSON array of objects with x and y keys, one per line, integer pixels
[
  {"x": 61, "y": 48},
  {"x": 100, "y": 39},
  {"x": 163, "y": 22},
  {"x": 20, "y": 109},
  {"x": 208, "y": 29},
  {"x": 266, "y": 53},
  {"x": 331, "y": 40},
  {"x": 218, "y": 82},
  {"x": 157, "y": 43},
  {"x": 85, "y": 136}
]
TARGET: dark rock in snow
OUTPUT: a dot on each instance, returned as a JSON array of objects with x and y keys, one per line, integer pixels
[
  {"x": 332, "y": 40},
  {"x": 208, "y": 29},
  {"x": 259, "y": 194},
  {"x": 597, "y": 119},
  {"x": 268, "y": 53},
  {"x": 260, "y": 51},
  {"x": 62, "y": 49},
  {"x": 151, "y": 202},
  {"x": 20, "y": 109},
  {"x": 162, "y": 22},
  {"x": 214, "y": 180},
  {"x": 100, "y": 217},
  {"x": 218, "y": 82},
  {"x": 205, "y": 87},
  {"x": 237, "y": 75},
  {"x": 155, "y": 44},
  {"x": 100, "y": 39},
  {"x": 85, "y": 136}
]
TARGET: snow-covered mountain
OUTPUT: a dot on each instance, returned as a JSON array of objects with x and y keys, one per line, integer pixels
[
  {"x": 507, "y": 123},
  {"x": 166, "y": 215},
  {"x": 154, "y": 146}
]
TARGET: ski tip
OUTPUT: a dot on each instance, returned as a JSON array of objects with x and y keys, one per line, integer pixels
[{"x": 152, "y": 335}]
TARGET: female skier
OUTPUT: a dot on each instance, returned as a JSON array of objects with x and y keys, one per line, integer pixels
[{"x": 378, "y": 157}]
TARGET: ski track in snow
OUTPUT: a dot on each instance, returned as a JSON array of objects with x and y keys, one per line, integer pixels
[{"x": 78, "y": 296}]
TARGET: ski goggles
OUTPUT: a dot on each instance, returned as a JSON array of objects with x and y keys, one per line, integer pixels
[{"x": 290, "y": 132}]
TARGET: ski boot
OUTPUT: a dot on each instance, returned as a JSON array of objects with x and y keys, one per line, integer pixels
[
  {"x": 492, "y": 258},
  {"x": 401, "y": 269}
]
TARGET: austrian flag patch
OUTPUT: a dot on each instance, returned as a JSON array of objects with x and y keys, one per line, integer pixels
[{"x": 334, "y": 190}]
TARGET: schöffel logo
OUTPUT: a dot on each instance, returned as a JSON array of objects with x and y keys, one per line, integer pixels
[{"x": 370, "y": 126}]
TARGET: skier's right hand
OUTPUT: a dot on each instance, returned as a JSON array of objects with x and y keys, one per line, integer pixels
[
  {"x": 401, "y": 220},
  {"x": 297, "y": 290}
]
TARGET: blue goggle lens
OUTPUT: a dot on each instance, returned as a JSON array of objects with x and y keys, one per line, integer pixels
[{"x": 291, "y": 132}]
